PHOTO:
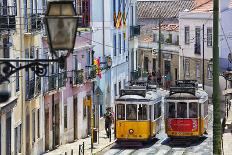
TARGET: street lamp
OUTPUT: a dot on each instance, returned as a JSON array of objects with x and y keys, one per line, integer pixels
[{"x": 61, "y": 26}]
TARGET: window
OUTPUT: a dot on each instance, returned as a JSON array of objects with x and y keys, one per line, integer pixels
[
  {"x": 187, "y": 67},
  {"x": 115, "y": 47},
  {"x": 119, "y": 43},
  {"x": 33, "y": 126},
  {"x": 157, "y": 110},
  {"x": 124, "y": 45},
  {"x": 17, "y": 139},
  {"x": 124, "y": 82},
  {"x": 206, "y": 108},
  {"x": 119, "y": 85},
  {"x": 6, "y": 52},
  {"x": 131, "y": 112},
  {"x": 119, "y": 5},
  {"x": 114, "y": 5},
  {"x": 25, "y": 16},
  {"x": 120, "y": 112},
  {"x": 186, "y": 35},
  {"x": 169, "y": 39},
  {"x": 209, "y": 72},
  {"x": 115, "y": 90},
  {"x": 65, "y": 117},
  {"x": 182, "y": 110},
  {"x": 131, "y": 15},
  {"x": 154, "y": 38},
  {"x": 197, "y": 41},
  {"x": 142, "y": 112},
  {"x": 162, "y": 38},
  {"x": 193, "y": 110},
  {"x": 101, "y": 111},
  {"x": 198, "y": 71},
  {"x": 171, "y": 110},
  {"x": 209, "y": 36},
  {"x": 17, "y": 77},
  {"x": 84, "y": 109},
  {"x": 38, "y": 124}
]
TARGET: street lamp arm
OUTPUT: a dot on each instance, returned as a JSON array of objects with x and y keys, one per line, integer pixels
[{"x": 39, "y": 66}]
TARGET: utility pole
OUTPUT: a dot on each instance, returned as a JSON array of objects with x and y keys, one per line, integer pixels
[
  {"x": 159, "y": 55},
  {"x": 216, "y": 102},
  {"x": 203, "y": 59}
]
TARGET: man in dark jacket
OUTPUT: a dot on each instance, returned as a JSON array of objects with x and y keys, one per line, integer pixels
[{"x": 108, "y": 121}]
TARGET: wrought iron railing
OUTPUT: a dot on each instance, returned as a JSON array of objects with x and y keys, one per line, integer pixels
[
  {"x": 52, "y": 82},
  {"x": 78, "y": 77},
  {"x": 30, "y": 89},
  {"x": 62, "y": 79}
]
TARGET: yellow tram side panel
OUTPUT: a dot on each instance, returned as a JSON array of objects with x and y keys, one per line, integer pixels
[
  {"x": 202, "y": 127},
  {"x": 141, "y": 130}
]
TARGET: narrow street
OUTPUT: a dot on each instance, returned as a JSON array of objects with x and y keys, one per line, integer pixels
[{"x": 162, "y": 145}]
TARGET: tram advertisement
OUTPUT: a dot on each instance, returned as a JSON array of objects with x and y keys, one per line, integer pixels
[{"x": 183, "y": 125}]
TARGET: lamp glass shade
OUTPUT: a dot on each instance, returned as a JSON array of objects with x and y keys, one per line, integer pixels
[
  {"x": 62, "y": 32},
  {"x": 61, "y": 9}
]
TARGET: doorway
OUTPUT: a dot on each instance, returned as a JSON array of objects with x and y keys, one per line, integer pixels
[
  {"x": 28, "y": 133},
  {"x": 46, "y": 129},
  {"x": 8, "y": 133},
  {"x": 57, "y": 124},
  {"x": 75, "y": 117}
]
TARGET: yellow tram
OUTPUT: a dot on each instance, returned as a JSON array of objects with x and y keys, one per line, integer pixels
[
  {"x": 186, "y": 110},
  {"x": 138, "y": 113}
]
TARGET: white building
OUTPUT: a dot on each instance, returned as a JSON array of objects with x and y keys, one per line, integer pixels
[
  {"x": 115, "y": 42},
  {"x": 191, "y": 44}
]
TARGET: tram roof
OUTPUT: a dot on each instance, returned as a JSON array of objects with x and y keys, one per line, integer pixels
[
  {"x": 149, "y": 96},
  {"x": 199, "y": 94}
]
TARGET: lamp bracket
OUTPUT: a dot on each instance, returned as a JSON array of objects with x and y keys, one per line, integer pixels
[{"x": 39, "y": 66}]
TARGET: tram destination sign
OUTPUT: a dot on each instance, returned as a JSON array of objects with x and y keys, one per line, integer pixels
[
  {"x": 140, "y": 92},
  {"x": 189, "y": 90},
  {"x": 186, "y": 83}
]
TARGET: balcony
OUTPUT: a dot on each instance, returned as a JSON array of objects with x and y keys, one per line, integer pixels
[
  {"x": 30, "y": 89},
  {"x": 7, "y": 18},
  {"x": 134, "y": 31},
  {"x": 38, "y": 85},
  {"x": 35, "y": 22},
  {"x": 52, "y": 82},
  {"x": 197, "y": 48},
  {"x": 62, "y": 79},
  {"x": 78, "y": 77}
]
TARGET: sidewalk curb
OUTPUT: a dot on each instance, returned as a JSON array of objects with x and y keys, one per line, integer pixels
[{"x": 104, "y": 147}]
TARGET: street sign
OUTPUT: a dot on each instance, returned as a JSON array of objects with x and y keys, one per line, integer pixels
[
  {"x": 98, "y": 96},
  {"x": 230, "y": 57}
]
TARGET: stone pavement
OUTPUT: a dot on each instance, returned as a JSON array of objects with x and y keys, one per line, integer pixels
[
  {"x": 67, "y": 148},
  {"x": 227, "y": 135}
]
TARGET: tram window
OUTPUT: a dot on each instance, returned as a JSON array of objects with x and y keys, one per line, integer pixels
[
  {"x": 206, "y": 108},
  {"x": 121, "y": 112},
  {"x": 182, "y": 110},
  {"x": 131, "y": 112},
  {"x": 142, "y": 112},
  {"x": 193, "y": 110},
  {"x": 171, "y": 111},
  {"x": 158, "y": 110}
]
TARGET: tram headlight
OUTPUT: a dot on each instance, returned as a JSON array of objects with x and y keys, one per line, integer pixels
[{"x": 131, "y": 131}]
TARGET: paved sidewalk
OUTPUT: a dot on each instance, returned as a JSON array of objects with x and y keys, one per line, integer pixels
[
  {"x": 103, "y": 143},
  {"x": 227, "y": 136}
]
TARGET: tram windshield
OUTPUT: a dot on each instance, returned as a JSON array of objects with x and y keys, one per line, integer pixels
[
  {"x": 193, "y": 109},
  {"x": 171, "y": 111},
  {"x": 182, "y": 110},
  {"x": 142, "y": 112},
  {"x": 131, "y": 112},
  {"x": 121, "y": 112}
]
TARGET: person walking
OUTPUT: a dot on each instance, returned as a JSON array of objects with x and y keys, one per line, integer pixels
[{"x": 108, "y": 121}]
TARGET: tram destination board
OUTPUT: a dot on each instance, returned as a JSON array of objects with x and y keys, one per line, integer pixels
[
  {"x": 186, "y": 83},
  {"x": 140, "y": 92},
  {"x": 189, "y": 90}
]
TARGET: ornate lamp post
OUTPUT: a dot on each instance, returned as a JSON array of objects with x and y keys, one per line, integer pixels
[{"x": 61, "y": 25}]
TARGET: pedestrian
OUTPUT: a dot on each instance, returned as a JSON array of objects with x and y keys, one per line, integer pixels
[
  {"x": 149, "y": 77},
  {"x": 108, "y": 121},
  {"x": 158, "y": 76}
]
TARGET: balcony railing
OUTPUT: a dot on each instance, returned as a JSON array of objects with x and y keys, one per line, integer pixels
[
  {"x": 7, "y": 18},
  {"x": 78, "y": 77},
  {"x": 52, "y": 82},
  {"x": 197, "y": 48},
  {"x": 30, "y": 89},
  {"x": 134, "y": 31},
  {"x": 62, "y": 79},
  {"x": 35, "y": 22}
]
